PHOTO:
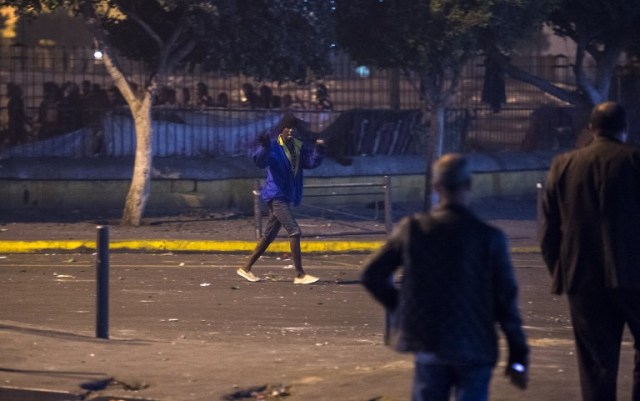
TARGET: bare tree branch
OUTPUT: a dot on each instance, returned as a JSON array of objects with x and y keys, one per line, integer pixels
[
  {"x": 166, "y": 55},
  {"x": 156, "y": 38},
  {"x": 111, "y": 62},
  {"x": 569, "y": 96}
]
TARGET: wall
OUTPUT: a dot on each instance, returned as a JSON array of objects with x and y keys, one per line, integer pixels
[{"x": 100, "y": 185}]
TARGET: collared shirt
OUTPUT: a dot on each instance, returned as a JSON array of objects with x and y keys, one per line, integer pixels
[
  {"x": 292, "y": 151},
  {"x": 284, "y": 174}
]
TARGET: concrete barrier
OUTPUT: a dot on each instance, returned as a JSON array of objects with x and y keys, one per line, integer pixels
[{"x": 101, "y": 185}]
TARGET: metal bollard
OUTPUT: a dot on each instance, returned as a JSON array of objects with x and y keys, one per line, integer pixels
[
  {"x": 539, "y": 214},
  {"x": 102, "y": 283},
  {"x": 257, "y": 209},
  {"x": 388, "y": 215}
]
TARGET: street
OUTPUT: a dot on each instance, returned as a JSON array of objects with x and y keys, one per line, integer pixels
[{"x": 186, "y": 327}]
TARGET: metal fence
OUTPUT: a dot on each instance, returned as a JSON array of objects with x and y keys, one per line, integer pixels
[
  {"x": 351, "y": 196},
  {"x": 235, "y": 108},
  {"x": 350, "y": 85}
]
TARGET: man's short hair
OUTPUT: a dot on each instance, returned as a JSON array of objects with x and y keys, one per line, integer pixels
[
  {"x": 608, "y": 118},
  {"x": 452, "y": 172},
  {"x": 288, "y": 121}
]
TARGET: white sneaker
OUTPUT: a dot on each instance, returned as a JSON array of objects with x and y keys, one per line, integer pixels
[
  {"x": 247, "y": 275},
  {"x": 306, "y": 279}
]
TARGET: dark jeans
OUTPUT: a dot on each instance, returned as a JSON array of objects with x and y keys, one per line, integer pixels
[
  {"x": 598, "y": 319},
  {"x": 433, "y": 382},
  {"x": 280, "y": 216}
]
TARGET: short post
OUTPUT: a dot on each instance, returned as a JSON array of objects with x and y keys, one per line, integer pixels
[
  {"x": 539, "y": 197},
  {"x": 388, "y": 207},
  {"x": 387, "y": 326},
  {"x": 102, "y": 283},
  {"x": 257, "y": 208}
]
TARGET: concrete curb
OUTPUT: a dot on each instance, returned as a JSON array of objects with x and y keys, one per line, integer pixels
[
  {"x": 148, "y": 245},
  {"x": 203, "y": 246}
]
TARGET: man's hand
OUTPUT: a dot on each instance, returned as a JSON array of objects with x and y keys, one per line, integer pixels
[
  {"x": 321, "y": 145},
  {"x": 264, "y": 140},
  {"x": 518, "y": 375}
]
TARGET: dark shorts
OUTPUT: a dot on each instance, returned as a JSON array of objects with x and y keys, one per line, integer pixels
[{"x": 280, "y": 216}]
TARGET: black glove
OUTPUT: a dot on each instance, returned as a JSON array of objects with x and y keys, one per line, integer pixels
[
  {"x": 264, "y": 140},
  {"x": 518, "y": 375}
]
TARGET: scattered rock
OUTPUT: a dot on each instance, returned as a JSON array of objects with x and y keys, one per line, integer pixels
[{"x": 265, "y": 392}]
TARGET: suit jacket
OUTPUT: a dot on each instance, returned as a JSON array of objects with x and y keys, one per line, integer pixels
[
  {"x": 590, "y": 237},
  {"x": 457, "y": 283}
]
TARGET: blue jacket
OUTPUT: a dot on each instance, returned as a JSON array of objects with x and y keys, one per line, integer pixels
[{"x": 282, "y": 183}]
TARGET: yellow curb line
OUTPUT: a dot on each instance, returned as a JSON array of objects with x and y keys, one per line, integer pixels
[
  {"x": 204, "y": 246},
  {"x": 32, "y": 246},
  {"x": 525, "y": 249},
  {"x": 187, "y": 246}
]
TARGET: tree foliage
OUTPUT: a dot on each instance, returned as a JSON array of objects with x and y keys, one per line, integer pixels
[
  {"x": 424, "y": 36},
  {"x": 602, "y": 31},
  {"x": 3, "y": 22},
  {"x": 265, "y": 39},
  {"x": 416, "y": 36},
  {"x": 281, "y": 40},
  {"x": 431, "y": 41},
  {"x": 276, "y": 40}
]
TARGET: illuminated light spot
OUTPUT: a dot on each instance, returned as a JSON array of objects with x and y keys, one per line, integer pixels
[{"x": 363, "y": 71}]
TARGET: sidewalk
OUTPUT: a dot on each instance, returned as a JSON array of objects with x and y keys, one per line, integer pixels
[{"x": 228, "y": 232}]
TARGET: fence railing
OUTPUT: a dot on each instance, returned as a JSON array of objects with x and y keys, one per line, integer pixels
[
  {"x": 378, "y": 194},
  {"x": 200, "y": 113},
  {"x": 217, "y": 132},
  {"x": 212, "y": 132},
  {"x": 349, "y": 86}
]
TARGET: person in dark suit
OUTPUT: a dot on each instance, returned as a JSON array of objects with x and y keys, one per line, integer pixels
[
  {"x": 589, "y": 241},
  {"x": 457, "y": 283}
]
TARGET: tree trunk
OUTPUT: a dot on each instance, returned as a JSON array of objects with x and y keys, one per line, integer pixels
[
  {"x": 141, "y": 181},
  {"x": 140, "y": 106},
  {"x": 435, "y": 145}
]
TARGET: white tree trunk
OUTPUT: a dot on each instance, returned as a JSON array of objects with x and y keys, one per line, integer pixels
[
  {"x": 140, "y": 106},
  {"x": 141, "y": 181}
]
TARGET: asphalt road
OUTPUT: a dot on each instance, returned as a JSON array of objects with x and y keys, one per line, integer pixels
[{"x": 186, "y": 327}]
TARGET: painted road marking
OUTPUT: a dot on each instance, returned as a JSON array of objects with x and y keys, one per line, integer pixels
[{"x": 204, "y": 246}]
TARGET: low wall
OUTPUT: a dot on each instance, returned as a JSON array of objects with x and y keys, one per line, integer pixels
[{"x": 100, "y": 185}]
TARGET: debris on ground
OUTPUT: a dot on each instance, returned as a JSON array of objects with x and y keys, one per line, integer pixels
[{"x": 271, "y": 392}]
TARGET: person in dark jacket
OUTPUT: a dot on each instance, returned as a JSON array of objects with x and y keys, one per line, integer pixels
[
  {"x": 589, "y": 241},
  {"x": 284, "y": 158},
  {"x": 17, "y": 117},
  {"x": 457, "y": 282}
]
